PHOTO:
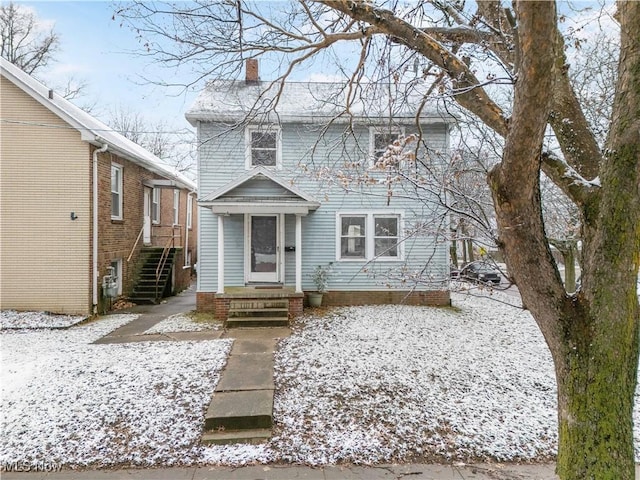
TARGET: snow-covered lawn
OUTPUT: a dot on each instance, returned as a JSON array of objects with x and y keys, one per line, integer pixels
[
  {"x": 374, "y": 384},
  {"x": 69, "y": 402},
  {"x": 13, "y": 319},
  {"x": 357, "y": 384}
]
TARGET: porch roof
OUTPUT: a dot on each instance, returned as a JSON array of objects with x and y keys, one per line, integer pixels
[{"x": 275, "y": 195}]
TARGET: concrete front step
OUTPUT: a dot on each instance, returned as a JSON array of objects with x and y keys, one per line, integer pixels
[
  {"x": 268, "y": 312},
  {"x": 240, "y": 410},
  {"x": 228, "y": 437},
  {"x": 239, "y": 322},
  {"x": 258, "y": 304}
]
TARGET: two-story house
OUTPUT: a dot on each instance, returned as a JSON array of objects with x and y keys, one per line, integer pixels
[
  {"x": 287, "y": 182},
  {"x": 80, "y": 202}
]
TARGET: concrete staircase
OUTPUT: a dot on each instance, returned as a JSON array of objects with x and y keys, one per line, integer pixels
[
  {"x": 151, "y": 288},
  {"x": 241, "y": 410},
  {"x": 258, "y": 313}
]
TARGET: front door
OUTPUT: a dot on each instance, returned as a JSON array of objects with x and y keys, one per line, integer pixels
[
  {"x": 146, "y": 215},
  {"x": 263, "y": 248}
]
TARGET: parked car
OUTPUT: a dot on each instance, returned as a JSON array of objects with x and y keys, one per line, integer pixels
[
  {"x": 480, "y": 272},
  {"x": 454, "y": 272}
]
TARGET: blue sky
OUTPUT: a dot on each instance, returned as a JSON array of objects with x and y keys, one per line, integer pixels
[{"x": 95, "y": 49}]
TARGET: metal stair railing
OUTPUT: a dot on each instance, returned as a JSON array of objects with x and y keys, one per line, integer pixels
[
  {"x": 165, "y": 255},
  {"x": 135, "y": 244}
]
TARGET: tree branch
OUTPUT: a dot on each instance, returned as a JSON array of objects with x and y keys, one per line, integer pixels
[{"x": 468, "y": 93}]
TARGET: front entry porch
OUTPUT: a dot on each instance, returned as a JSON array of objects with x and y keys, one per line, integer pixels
[{"x": 254, "y": 305}]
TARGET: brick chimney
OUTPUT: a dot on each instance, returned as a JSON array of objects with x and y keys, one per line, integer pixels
[{"x": 251, "y": 71}]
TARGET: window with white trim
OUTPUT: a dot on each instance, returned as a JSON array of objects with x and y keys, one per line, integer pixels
[
  {"x": 189, "y": 211},
  {"x": 369, "y": 236},
  {"x": 116, "y": 191},
  {"x": 176, "y": 207},
  {"x": 263, "y": 147},
  {"x": 380, "y": 138},
  {"x": 117, "y": 271},
  {"x": 155, "y": 206},
  {"x": 385, "y": 236},
  {"x": 353, "y": 236}
]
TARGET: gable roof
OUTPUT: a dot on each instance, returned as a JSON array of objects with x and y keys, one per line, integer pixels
[
  {"x": 233, "y": 101},
  {"x": 91, "y": 129},
  {"x": 289, "y": 198}
]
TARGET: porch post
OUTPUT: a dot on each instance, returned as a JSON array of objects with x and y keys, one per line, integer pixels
[
  {"x": 298, "y": 253},
  {"x": 220, "y": 254}
]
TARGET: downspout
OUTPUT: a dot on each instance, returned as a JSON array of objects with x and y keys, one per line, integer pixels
[
  {"x": 96, "y": 273},
  {"x": 186, "y": 235}
]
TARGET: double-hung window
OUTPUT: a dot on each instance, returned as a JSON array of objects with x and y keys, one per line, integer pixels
[
  {"x": 189, "y": 212},
  {"x": 263, "y": 147},
  {"x": 116, "y": 191},
  {"x": 369, "y": 236},
  {"x": 117, "y": 271},
  {"x": 380, "y": 138},
  {"x": 385, "y": 236},
  {"x": 176, "y": 207},
  {"x": 353, "y": 236}
]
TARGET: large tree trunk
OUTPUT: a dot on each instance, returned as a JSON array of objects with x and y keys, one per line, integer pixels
[
  {"x": 592, "y": 335},
  {"x": 596, "y": 377}
]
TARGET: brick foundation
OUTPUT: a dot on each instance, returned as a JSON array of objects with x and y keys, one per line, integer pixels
[
  {"x": 221, "y": 308},
  {"x": 218, "y": 304},
  {"x": 387, "y": 297},
  {"x": 296, "y": 306}
]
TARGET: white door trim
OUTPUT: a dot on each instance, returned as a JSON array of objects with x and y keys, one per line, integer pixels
[
  {"x": 264, "y": 277},
  {"x": 146, "y": 216}
]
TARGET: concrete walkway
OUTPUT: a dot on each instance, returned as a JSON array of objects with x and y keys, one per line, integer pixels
[{"x": 149, "y": 315}]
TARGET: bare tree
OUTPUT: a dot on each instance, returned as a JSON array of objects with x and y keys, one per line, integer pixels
[
  {"x": 175, "y": 147},
  {"x": 22, "y": 40},
  {"x": 592, "y": 333}
]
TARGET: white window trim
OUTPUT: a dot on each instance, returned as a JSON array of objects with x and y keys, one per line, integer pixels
[
  {"x": 381, "y": 129},
  {"x": 155, "y": 220},
  {"x": 176, "y": 207},
  {"x": 369, "y": 250},
  {"x": 120, "y": 193},
  {"x": 247, "y": 138},
  {"x": 189, "y": 211},
  {"x": 118, "y": 272}
]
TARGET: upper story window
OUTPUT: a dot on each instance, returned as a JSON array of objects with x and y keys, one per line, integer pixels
[
  {"x": 263, "y": 147},
  {"x": 116, "y": 191},
  {"x": 369, "y": 236},
  {"x": 189, "y": 212},
  {"x": 155, "y": 206},
  {"x": 380, "y": 138},
  {"x": 176, "y": 207}
]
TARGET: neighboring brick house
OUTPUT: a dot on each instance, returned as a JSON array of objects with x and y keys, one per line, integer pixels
[{"x": 54, "y": 252}]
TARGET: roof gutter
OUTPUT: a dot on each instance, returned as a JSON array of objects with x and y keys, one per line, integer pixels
[{"x": 96, "y": 272}]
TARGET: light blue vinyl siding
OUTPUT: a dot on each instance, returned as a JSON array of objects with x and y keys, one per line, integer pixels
[{"x": 222, "y": 160}]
